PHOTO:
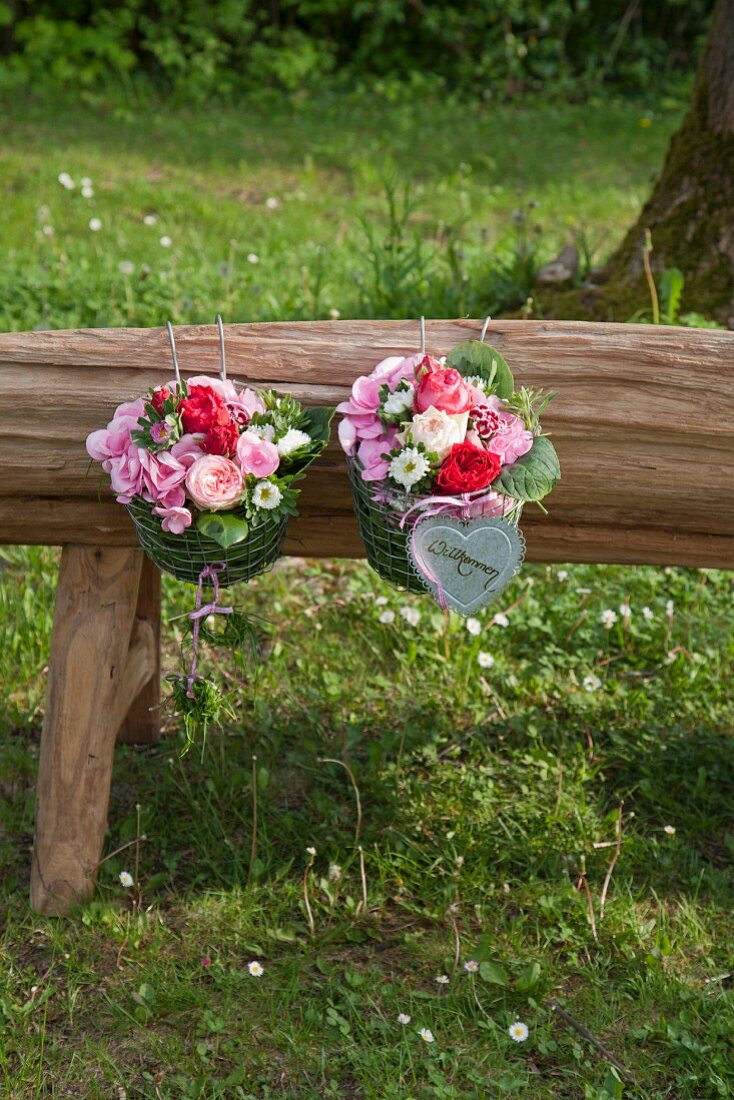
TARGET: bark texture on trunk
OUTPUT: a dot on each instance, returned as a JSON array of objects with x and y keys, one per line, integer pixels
[{"x": 690, "y": 211}]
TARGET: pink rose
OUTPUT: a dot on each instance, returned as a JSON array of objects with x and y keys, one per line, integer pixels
[
  {"x": 443, "y": 388},
  {"x": 175, "y": 520},
  {"x": 257, "y": 456},
  {"x": 214, "y": 483},
  {"x": 511, "y": 440}
]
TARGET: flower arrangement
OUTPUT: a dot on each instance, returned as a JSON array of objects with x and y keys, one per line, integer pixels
[
  {"x": 203, "y": 458},
  {"x": 450, "y": 438}
]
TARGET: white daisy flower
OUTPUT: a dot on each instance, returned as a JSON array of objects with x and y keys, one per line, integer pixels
[
  {"x": 518, "y": 1031},
  {"x": 253, "y": 258},
  {"x": 411, "y": 615},
  {"x": 48, "y": 231},
  {"x": 500, "y": 619},
  {"x": 669, "y": 829},
  {"x": 272, "y": 203},
  {"x": 408, "y": 467},
  {"x": 562, "y": 575},
  {"x": 87, "y": 192},
  {"x": 165, "y": 241},
  {"x": 381, "y": 601},
  {"x": 442, "y": 979},
  {"x": 311, "y": 851},
  {"x": 261, "y": 431},
  {"x": 477, "y": 381},
  {"x": 95, "y": 224},
  {"x": 471, "y": 965},
  {"x": 150, "y": 219},
  {"x": 126, "y": 267},
  {"x": 591, "y": 682},
  {"x": 291, "y": 441},
  {"x": 486, "y": 660},
  {"x": 474, "y": 626},
  {"x": 670, "y": 609},
  {"x": 399, "y": 402},
  {"x": 335, "y": 872},
  {"x": 426, "y": 1035},
  {"x": 648, "y": 614},
  {"x": 403, "y": 1018},
  {"x": 66, "y": 181},
  {"x": 126, "y": 879},
  {"x": 608, "y": 618},
  {"x": 625, "y": 610},
  {"x": 583, "y": 591},
  {"x": 267, "y": 495},
  {"x": 85, "y": 181},
  {"x": 256, "y": 969},
  {"x": 387, "y": 617},
  {"x": 335, "y": 314}
]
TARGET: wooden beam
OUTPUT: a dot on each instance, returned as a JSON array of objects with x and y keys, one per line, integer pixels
[
  {"x": 646, "y": 448},
  {"x": 142, "y": 723},
  {"x": 100, "y": 660}
]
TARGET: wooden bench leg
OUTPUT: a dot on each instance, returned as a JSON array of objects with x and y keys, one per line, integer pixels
[
  {"x": 142, "y": 724},
  {"x": 101, "y": 657}
]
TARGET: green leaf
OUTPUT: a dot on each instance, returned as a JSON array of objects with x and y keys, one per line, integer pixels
[
  {"x": 492, "y": 973},
  {"x": 533, "y": 476},
  {"x": 528, "y": 977},
  {"x": 671, "y": 289},
  {"x": 224, "y": 528},
  {"x": 473, "y": 357}
]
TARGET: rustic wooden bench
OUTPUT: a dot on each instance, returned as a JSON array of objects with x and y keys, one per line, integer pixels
[{"x": 644, "y": 426}]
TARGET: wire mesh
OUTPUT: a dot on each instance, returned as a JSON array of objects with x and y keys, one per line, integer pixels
[
  {"x": 185, "y": 555},
  {"x": 379, "y": 513}
]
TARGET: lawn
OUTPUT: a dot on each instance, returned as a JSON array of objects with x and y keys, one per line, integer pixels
[{"x": 547, "y": 796}]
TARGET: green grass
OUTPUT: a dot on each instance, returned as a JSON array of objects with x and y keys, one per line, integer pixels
[{"x": 485, "y": 792}]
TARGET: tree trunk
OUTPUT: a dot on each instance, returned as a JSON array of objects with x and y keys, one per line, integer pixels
[{"x": 690, "y": 211}]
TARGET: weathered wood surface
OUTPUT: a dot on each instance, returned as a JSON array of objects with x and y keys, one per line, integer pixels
[
  {"x": 643, "y": 425},
  {"x": 101, "y": 658},
  {"x": 142, "y": 723}
]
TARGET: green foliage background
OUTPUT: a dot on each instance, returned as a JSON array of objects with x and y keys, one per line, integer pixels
[{"x": 224, "y": 47}]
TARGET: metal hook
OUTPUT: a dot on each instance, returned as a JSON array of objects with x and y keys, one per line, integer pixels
[
  {"x": 423, "y": 336},
  {"x": 223, "y": 369},
  {"x": 485, "y": 326},
  {"x": 172, "y": 342}
]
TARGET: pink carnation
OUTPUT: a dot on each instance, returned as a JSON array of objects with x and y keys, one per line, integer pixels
[{"x": 511, "y": 440}]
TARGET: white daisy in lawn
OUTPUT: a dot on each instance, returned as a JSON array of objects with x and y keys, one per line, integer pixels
[
  {"x": 562, "y": 575},
  {"x": 408, "y": 467},
  {"x": 66, "y": 181},
  {"x": 256, "y": 969},
  {"x": 403, "y": 1018},
  {"x": 126, "y": 879},
  {"x": 608, "y": 618},
  {"x": 150, "y": 219},
  {"x": 625, "y": 610},
  {"x": 387, "y": 617},
  {"x": 335, "y": 872},
  {"x": 95, "y": 224},
  {"x": 648, "y": 614},
  {"x": 591, "y": 682},
  {"x": 272, "y": 203},
  {"x": 426, "y": 1035},
  {"x": 126, "y": 267},
  {"x": 261, "y": 431},
  {"x": 670, "y": 609},
  {"x": 380, "y": 601},
  {"x": 583, "y": 591},
  {"x": 669, "y": 829},
  {"x": 165, "y": 241},
  {"x": 500, "y": 619},
  {"x": 474, "y": 626},
  {"x": 48, "y": 231},
  {"x": 471, "y": 965},
  {"x": 518, "y": 1031},
  {"x": 485, "y": 660},
  {"x": 399, "y": 402},
  {"x": 411, "y": 615},
  {"x": 267, "y": 495},
  {"x": 253, "y": 258},
  {"x": 87, "y": 192},
  {"x": 311, "y": 851},
  {"x": 291, "y": 441},
  {"x": 335, "y": 314},
  {"x": 442, "y": 979}
]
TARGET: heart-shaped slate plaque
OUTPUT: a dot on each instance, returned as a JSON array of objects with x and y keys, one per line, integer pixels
[{"x": 466, "y": 564}]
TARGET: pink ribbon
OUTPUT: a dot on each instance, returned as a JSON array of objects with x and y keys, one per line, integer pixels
[{"x": 209, "y": 572}]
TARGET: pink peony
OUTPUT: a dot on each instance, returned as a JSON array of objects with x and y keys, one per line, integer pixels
[
  {"x": 214, "y": 483},
  {"x": 511, "y": 440},
  {"x": 257, "y": 456}
]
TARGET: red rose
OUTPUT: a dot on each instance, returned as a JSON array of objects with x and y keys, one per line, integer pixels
[
  {"x": 442, "y": 388},
  {"x": 467, "y": 468},
  {"x": 221, "y": 440},
  {"x": 202, "y": 409},
  {"x": 158, "y": 397}
]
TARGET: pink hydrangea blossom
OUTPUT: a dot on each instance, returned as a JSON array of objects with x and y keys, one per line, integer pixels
[
  {"x": 175, "y": 520},
  {"x": 361, "y": 421},
  {"x": 369, "y": 454},
  {"x": 257, "y": 456}
]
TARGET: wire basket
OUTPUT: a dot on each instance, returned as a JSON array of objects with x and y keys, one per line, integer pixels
[
  {"x": 185, "y": 555},
  {"x": 379, "y": 513}
]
